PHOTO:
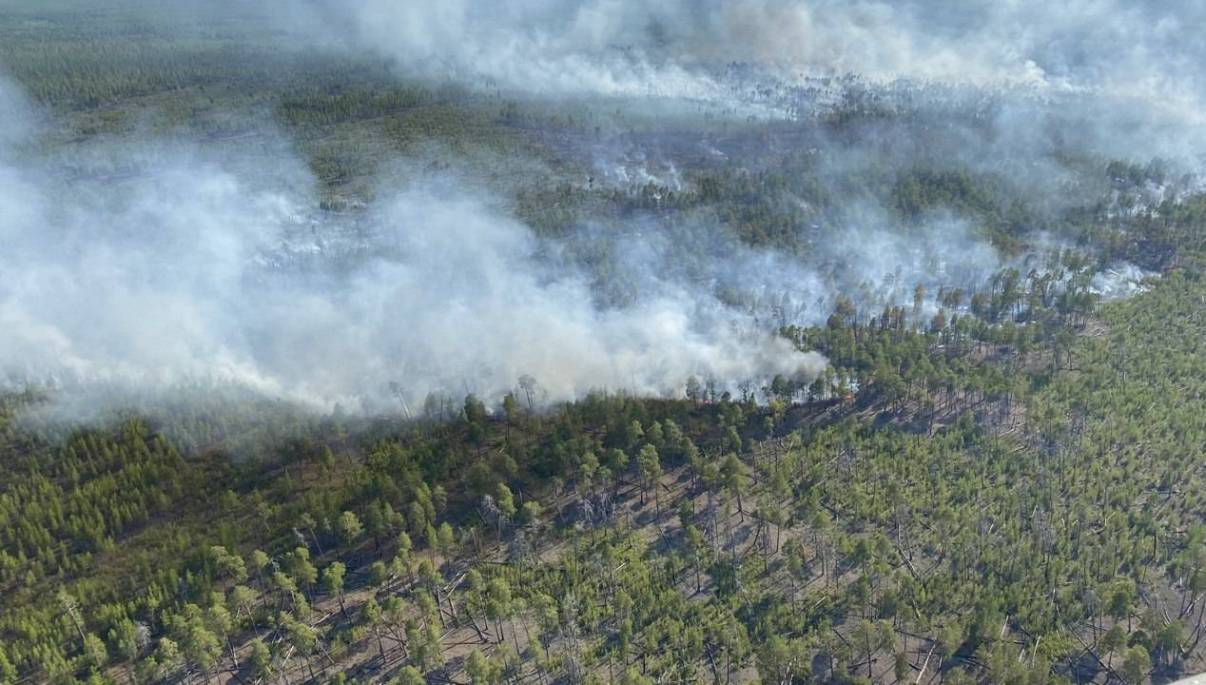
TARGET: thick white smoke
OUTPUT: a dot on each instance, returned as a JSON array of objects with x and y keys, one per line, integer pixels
[
  {"x": 164, "y": 265},
  {"x": 628, "y": 47},
  {"x": 1127, "y": 70},
  {"x": 190, "y": 268}
]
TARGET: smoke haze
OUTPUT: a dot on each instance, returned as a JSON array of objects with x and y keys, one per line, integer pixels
[
  {"x": 160, "y": 264},
  {"x": 1137, "y": 52},
  {"x": 188, "y": 270}
]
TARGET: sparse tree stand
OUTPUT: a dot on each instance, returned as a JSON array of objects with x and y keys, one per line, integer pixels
[{"x": 1072, "y": 537}]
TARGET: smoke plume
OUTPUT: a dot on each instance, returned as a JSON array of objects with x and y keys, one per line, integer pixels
[
  {"x": 183, "y": 267},
  {"x": 1135, "y": 49},
  {"x": 158, "y": 264},
  {"x": 1125, "y": 74}
]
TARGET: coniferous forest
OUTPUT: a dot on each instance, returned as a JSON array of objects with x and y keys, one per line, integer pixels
[{"x": 346, "y": 342}]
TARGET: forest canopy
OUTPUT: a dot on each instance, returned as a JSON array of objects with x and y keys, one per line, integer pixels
[{"x": 589, "y": 342}]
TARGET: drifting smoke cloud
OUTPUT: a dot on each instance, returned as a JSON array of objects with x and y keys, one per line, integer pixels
[
  {"x": 193, "y": 268},
  {"x": 625, "y": 47},
  {"x": 1127, "y": 74},
  {"x": 872, "y": 260},
  {"x": 165, "y": 266}
]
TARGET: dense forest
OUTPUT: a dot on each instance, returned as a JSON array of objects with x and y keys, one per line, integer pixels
[{"x": 998, "y": 475}]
